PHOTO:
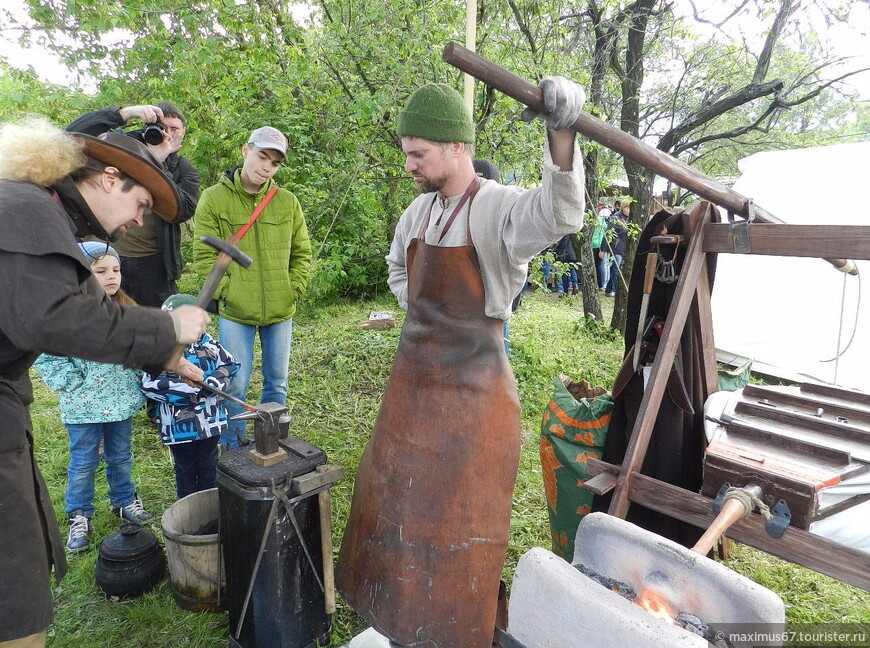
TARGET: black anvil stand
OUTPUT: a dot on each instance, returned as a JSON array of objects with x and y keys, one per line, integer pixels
[{"x": 276, "y": 536}]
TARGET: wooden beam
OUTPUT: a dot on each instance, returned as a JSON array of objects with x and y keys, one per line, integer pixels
[
  {"x": 627, "y": 146},
  {"x": 702, "y": 314},
  {"x": 796, "y": 545},
  {"x": 813, "y": 241}
]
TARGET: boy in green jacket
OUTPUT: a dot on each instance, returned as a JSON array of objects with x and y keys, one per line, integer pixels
[{"x": 262, "y": 298}]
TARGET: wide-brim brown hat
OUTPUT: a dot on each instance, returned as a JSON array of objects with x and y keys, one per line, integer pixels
[{"x": 133, "y": 159}]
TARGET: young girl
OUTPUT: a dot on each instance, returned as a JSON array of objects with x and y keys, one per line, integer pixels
[{"x": 97, "y": 402}]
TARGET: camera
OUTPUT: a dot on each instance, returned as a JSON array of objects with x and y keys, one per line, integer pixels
[{"x": 152, "y": 133}]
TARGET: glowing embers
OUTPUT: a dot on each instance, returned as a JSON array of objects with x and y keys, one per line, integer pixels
[{"x": 655, "y": 605}]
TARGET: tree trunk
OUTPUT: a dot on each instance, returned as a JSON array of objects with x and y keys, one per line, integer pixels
[
  {"x": 587, "y": 275},
  {"x": 586, "y": 272},
  {"x": 639, "y": 180}
]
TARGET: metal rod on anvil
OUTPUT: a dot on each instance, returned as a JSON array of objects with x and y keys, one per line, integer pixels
[
  {"x": 616, "y": 140},
  {"x": 223, "y": 394}
]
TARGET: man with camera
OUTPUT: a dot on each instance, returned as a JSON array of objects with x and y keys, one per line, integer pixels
[{"x": 151, "y": 255}]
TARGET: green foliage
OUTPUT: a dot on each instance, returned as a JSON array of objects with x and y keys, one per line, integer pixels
[
  {"x": 23, "y": 94},
  {"x": 324, "y": 73}
]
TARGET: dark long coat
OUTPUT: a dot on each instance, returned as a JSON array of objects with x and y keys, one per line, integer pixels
[
  {"x": 49, "y": 303},
  {"x": 676, "y": 450}
]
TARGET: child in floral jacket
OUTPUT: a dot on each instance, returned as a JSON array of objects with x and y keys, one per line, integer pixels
[
  {"x": 191, "y": 419},
  {"x": 97, "y": 403}
]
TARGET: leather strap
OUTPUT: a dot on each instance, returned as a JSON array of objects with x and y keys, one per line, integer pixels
[{"x": 256, "y": 213}]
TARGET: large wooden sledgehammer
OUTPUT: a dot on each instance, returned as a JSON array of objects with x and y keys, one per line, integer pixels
[
  {"x": 227, "y": 253},
  {"x": 618, "y": 141}
]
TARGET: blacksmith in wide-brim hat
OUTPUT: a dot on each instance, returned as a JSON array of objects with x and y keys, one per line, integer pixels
[{"x": 134, "y": 160}]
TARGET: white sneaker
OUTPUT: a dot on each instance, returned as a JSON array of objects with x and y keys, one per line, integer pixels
[
  {"x": 133, "y": 512},
  {"x": 79, "y": 538}
]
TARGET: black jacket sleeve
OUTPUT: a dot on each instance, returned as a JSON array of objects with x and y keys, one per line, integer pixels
[
  {"x": 53, "y": 308},
  {"x": 97, "y": 122},
  {"x": 186, "y": 178}
]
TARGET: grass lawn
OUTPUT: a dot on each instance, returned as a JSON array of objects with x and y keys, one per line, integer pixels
[{"x": 338, "y": 372}]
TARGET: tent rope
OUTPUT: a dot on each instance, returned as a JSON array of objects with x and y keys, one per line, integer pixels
[{"x": 842, "y": 350}]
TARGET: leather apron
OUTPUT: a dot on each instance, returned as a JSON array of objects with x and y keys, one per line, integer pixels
[{"x": 428, "y": 530}]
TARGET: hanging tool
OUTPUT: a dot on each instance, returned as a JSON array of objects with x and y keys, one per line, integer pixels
[
  {"x": 666, "y": 271},
  {"x": 648, "y": 277}
]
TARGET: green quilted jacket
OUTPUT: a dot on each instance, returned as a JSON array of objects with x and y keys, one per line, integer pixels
[{"x": 267, "y": 291}]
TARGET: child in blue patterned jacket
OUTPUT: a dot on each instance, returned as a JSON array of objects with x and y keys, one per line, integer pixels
[
  {"x": 97, "y": 402},
  {"x": 192, "y": 418}
]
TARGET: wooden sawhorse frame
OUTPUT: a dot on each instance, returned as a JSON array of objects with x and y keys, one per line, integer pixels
[
  {"x": 692, "y": 297},
  {"x": 767, "y": 235}
]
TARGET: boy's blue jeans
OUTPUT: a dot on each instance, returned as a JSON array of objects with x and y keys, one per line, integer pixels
[
  {"x": 275, "y": 341},
  {"x": 84, "y": 444}
]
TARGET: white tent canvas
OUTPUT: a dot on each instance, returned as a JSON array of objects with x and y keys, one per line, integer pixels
[{"x": 800, "y": 314}]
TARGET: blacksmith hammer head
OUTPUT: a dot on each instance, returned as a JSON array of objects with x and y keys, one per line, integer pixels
[{"x": 227, "y": 248}]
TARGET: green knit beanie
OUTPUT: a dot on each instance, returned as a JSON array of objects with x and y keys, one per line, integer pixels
[{"x": 436, "y": 112}]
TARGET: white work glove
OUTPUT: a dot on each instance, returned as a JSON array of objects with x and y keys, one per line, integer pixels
[{"x": 563, "y": 100}]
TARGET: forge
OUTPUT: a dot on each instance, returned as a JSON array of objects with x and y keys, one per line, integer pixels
[
  {"x": 556, "y": 603},
  {"x": 559, "y": 604}
]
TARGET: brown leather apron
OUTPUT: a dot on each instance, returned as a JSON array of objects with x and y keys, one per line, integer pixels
[{"x": 426, "y": 539}]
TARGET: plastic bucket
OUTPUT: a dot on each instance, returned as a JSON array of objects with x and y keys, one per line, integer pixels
[{"x": 190, "y": 533}]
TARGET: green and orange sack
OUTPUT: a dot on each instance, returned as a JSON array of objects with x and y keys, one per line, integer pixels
[{"x": 574, "y": 428}]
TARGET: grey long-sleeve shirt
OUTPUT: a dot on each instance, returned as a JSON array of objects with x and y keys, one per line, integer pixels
[{"x": 509, "y": 225}]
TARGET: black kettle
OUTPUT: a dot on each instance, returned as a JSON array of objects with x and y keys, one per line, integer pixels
[{"x": 130, "y": 563}]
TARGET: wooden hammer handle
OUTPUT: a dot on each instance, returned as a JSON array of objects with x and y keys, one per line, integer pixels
[
  {"x": 667, "y": 239},
  {"x": 616, "y": 140},
  {"x": 209, "y": 286},
  {"x": 652, "y": 260}
]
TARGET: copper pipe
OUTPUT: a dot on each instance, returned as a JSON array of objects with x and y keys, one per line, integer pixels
[{"x": 732, "y": 510}]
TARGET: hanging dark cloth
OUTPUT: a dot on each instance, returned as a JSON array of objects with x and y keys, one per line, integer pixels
[{"x": 676, "y": 450}]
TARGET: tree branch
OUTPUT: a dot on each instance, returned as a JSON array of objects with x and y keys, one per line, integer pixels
[
  {"x": 524, "y": 28},
  {"x": 786, "y": 9},
  {"x": 744, "y": 95}
]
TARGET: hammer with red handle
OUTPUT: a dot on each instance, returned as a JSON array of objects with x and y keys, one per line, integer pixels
[{"x": 227, "y": 253}]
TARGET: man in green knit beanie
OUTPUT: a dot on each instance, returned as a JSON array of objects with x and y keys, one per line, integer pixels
[{"x": 426, "y": 539}]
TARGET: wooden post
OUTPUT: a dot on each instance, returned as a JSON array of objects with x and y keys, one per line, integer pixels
[
  {"x": 638, "y": 443},
  {"x": 325, "y": 505},
  {"x": 470, "y": 44}
]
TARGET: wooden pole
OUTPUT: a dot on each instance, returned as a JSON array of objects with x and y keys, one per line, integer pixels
[
  {"x": 618, "y": 141},
  {"x": 324, "y": 505},
  {"x": 470, "y": 44}
]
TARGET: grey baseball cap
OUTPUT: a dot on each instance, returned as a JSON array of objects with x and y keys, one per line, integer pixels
[{"x": 267, "y": 137}]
